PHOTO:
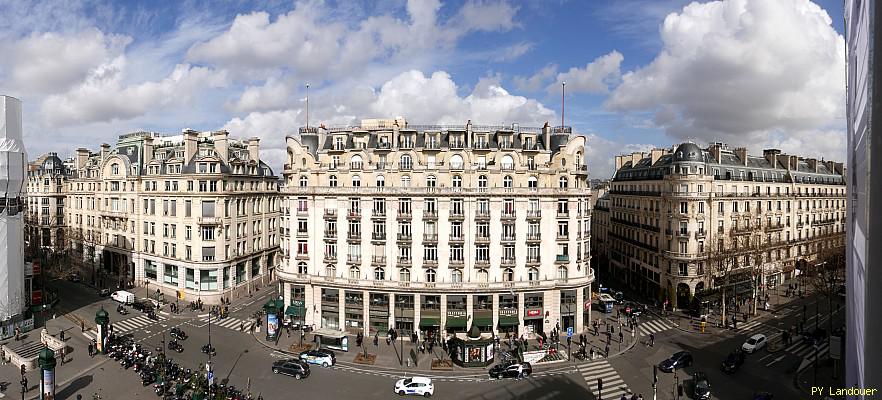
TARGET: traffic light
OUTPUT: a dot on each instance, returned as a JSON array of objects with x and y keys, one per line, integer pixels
[
  {"x": 23, "y": 370},
  {"x": 599, "y": 384}
]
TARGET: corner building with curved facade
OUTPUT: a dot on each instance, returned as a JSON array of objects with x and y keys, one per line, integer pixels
[{"x": 435, "y": 228}]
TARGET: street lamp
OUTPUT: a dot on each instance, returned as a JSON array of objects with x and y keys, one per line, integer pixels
[{"x": 399, "y": 305}]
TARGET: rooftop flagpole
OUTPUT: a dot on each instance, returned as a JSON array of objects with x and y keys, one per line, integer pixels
[
  {"x": 307, "y": 106},
  {"x": 563, "y": 92}
]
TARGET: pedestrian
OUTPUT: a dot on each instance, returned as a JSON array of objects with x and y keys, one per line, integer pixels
[
  {"x": 24, "y": 381},
  {"x": 82, "y": 326},
  {"x": 90, "y": 350},
  {"x": 288, "y": 331},
  {"x": 591, "y": 354},
  {"x": 606, "y": 350},
  {"x": 651, "y": 339},
  {"x": 242, "y": 326},
  {"x": 621, "y": 337},
  {"x": 61, "y": 335}
]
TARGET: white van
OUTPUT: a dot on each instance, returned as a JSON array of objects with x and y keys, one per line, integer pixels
[{"x": 123, "y": 296}]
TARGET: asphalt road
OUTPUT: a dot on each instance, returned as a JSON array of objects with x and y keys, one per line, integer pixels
[{"x": 244, "y": 361}]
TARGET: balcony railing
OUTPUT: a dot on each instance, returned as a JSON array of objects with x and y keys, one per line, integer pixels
[
  {"x": 508, "y": 261},
  {"x": 532, "y": 237},
  {"x": 356, "y": 165},
  {"x": 509, "y": 214},
  {"x": 508, "y": 238},
  {"x": 378, "y": 214},
  {"x": 404, "y": 214},
  {"x": 430, "y": 237},
  {"x": 534, "y": 213},
  {"x": 378, "y": 260},
  {"x": 378, "y": 236},
  {"x": 330, "y": 212},
  {"x": 563, "y": 213},
  {"x": 353, "y": 235},
  {"x": 208, "y": 221},
  {"x": 430, "y": 214},
  {"x": 562, "y": 258},
  {"x": 480, "y": 213},
  {"x": 404, "y": 237},
  {"x": 479, "y": 238},
  {"x": 456, "y": 238},
  {"x": 354, "y": 213},
  {"x": 353, "y": 258}
]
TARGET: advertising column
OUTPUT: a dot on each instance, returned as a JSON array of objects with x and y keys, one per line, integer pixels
[
  {"x": 272, "y": 320},
  {"x": 102, "y": 320},
  {"x": 47, "y": 374}
]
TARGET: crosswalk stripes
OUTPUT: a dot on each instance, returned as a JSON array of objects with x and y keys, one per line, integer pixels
[
  {"x": 91, "y": 335},
  {"x": 613, "y": 385},
  {"x": 654, "y": 326},
  {"x": 131, "y": 324},
  {"x": 230, "y": 323},
  {"x": 805, "y": 350}
]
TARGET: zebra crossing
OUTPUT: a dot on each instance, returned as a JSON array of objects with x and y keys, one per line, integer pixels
[
  {"x": 613, "y": 385},
  {"x": 229, "y": 323},
  {"x": 133, "y": 324},
  {"x": 805, "y": 349},
  {"x": 654, "y": 326}
]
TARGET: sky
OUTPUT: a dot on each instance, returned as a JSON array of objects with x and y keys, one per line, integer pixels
[{"x": 639, "y": 74}]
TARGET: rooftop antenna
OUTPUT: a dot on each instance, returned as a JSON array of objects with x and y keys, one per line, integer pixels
[
  {"x": 563, "y": 92},
  {"x": 307, "y": 107}
]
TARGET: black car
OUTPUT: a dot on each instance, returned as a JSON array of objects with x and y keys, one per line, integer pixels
[
  {"x": 733, "y": 361},
  {"x": 815, "y": 337},
  {"x": 679, "y": 359},
  {"x": 178, "y": 334},
  {"x": 104, "y": 293},
  {"x": 511, "y": 370},
  {"x": 143, "y": 306},
  {"x": 632, "y": 309},
  {"x": 209, "y": 349},
  {"x": 293, "y": 367},
  {"x": 701, "y": 386}
]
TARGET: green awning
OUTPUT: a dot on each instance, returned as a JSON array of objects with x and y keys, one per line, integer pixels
[
  {"x": 483, "y": 321},
  {"x": 456, "y": 322},
  {"x": 280, "y": 304},
  {"x": 294, "y": 311},
  {"x": 430, "y": 321},
  {"x": 508, "y": 320}
]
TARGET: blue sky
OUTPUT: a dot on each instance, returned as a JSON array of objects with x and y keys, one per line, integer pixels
[{"x": 639, "y": 74}]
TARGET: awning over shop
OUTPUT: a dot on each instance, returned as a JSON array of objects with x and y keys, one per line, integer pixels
[
  {"x": 483, "y": 321},
  {"x": 329, "y": 333},
  {"x": 508, "y": 320},
  {"x": 294, "y": 311},
  {"x": 430, "y": 321},
  {"x": 455, "y": 322}
]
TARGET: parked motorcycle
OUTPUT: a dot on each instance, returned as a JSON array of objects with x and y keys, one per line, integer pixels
[
  {"x": 175, "y": 346},
  {"x": 122, "y": 310}
]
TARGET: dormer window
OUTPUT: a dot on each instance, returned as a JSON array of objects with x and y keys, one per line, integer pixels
[
  {"x": 114, "y": 169},
  {"x": 338, "y": 143}
]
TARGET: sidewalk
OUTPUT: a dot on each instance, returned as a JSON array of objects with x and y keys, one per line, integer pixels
[
  {"x": 808, "y": 377},
  {"x": 388, "y": 355}
]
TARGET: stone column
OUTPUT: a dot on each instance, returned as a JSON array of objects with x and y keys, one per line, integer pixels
[
  {"x": 443, "y": 314},
  {"x": 521, "y": 312},
  {"x": 470, "y": 312},
  {"x": 551, "y": 303},
  {"x": 313, "y": 296},
  {"x": 495, "y": 299},
  {"x": 580, "y": 310},
  {"x": 393, "y": 300},
  {"x": 366, "y": 309},
  {"x": 417, "y": 310},
  {"x": 341, "y": 312}
]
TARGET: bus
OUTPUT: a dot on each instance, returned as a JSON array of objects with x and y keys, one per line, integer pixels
[{"x": 605, "y": 302}]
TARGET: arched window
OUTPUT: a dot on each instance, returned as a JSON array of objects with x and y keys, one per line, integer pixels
[
  {"x": 332, "y": 181},
  {"x": 404, "y": 275},
  {"x": 356, "y": 181},
  {"x": 431, "y": 181},
  {"x": 381, "y": 181},
  {"x": 405, "y": 181},
  {"x": 507, "y": 182},
  {"x": 507, "y": 162},
  {"x": 354, "y": 273},
  {"x": 533, "y": 274},
  {"x": 562, "y": 272},
  {"x": 355, "y": 162},
  {"x": 114, "y": 168},
  {"x": 457, "y": 181},
  {"x": 430, "y": 275},
  {"x": 379, "y": 273},
  {"x": 456, "y": 276},
  {"x": 304, "y": 181},
  {"x": 483, "y": 275},
  {"x": 532, "y": 182},
  {"x": 562, "y": 182},
  {"x": 331, "y": 271},
  {"x": 456, "y": 162},
  {"x": 482, "y": 181},
  {"x": 508, "y": 275},
  {"x": 406, "y": 162},
  {"x": 301, "y": 267}
]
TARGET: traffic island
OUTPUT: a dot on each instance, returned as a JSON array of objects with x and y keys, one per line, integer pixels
[
  {"x": 442, "y": 365},
  {"x": 365, "y": 358}
]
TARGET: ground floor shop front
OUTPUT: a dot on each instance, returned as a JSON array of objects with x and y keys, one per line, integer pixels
[{"x": 373, "y": 312}]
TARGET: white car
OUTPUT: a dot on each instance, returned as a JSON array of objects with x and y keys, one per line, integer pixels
[
  {"x": 754, "y": 343},
  {"x": 416, "y": 385},
  {"x": 320, "y": 357}
]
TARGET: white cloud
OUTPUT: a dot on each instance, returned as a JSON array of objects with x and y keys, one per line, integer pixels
[
  {"x": 596, "y": 77},
  {"x": 317, "y": 43},
  {"x": 743, "y": 71},
  {"x": 537, "y": 80},
  {"x": 600, "y": 153},
  {"x": 104, "y": 95},
  {"x": 51, "y": 62},
  {"x": 272, "y": 95}
]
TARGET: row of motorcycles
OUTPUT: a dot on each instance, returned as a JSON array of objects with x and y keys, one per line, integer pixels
[{"x": 170, "y": 380}]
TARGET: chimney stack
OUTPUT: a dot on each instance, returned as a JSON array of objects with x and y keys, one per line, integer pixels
[
  {"x": 656, "y": 154},
  {"x": 636, "y": 157},
  {"x": 619, "y": 161},
  {"x": 715, "y": 149},
  {"x": 105, "y": 151},
  {"x": 830, "y": 166},
  {"x": 546, "y": 134},
  {"x": 254, "y": 149},
  {"x": 191, "y": 144},
  {"x": 82, "y": 158},
  {"x": 148, "y": 149},
  {"x": 813, "y": 164},
  {"x": 771, "y": 156},
  {"x": 741, "y": 152},
  {"x": 222, "y": 145}
]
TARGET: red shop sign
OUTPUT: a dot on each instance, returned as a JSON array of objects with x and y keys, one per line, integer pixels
[{"x": 534, "y": 313}]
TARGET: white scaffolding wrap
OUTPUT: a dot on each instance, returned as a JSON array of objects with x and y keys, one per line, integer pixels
[{"x": 12, "y": 173}]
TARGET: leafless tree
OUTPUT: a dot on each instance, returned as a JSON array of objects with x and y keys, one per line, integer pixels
[{"x": 827, "y": 273}]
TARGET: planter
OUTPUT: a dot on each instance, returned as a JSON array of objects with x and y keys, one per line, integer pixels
[
  {"x": 442, "y": 365},
  {"x": 296, "y": 348},
  {"x": 367, "y": 359}
]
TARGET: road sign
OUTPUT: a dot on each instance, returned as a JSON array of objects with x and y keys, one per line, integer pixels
[
  {"x": 569, "y": 331},
  {"x": 836, "y": 347}
]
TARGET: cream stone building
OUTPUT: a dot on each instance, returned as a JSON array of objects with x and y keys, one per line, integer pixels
[
  {"x": 45, "y": 196},
  {"x": 687, "y": 220},
  {"x": 435, "y": 228},
  {"x": 194, "y": 216}
]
